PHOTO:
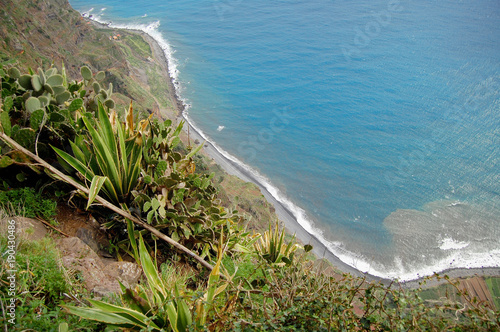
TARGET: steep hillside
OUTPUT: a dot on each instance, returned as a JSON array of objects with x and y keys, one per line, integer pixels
[{"x": 41, "y": 33}]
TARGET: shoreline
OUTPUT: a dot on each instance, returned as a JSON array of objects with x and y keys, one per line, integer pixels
[{"x": 285, "y": 215}]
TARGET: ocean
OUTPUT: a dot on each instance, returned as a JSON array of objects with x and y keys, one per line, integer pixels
[{"x": 376, "y": 122}]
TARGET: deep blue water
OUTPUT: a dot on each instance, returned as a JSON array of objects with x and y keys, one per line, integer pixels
[{"x": 379, "y": 119}]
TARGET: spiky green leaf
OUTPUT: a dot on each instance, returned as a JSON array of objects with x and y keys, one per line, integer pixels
[
  {"x": 95, "y": 187},
  {"x": 75, "y": 163},
  {"x": 172, "y": 316},
  {"x": 154, "y": 281},
  {"x": 133, "y": 242},
  {"x": 105, "y": 317},
  {"x": 183, "y": 315}
]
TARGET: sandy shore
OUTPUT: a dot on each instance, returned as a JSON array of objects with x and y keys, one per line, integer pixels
[{"x": 285, "y": 215}]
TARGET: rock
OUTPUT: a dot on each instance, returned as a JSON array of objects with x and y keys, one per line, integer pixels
[
  {"x": 88, "y": 236},
  {"x": 16, "y": 44},
  {"x": 126, "y": 272},
  {"x": 99, "y": 277},
  {"x": 26, "y": 228},
  {"x": 76, "y": 255},
  {"x": 79, "y": 254}
]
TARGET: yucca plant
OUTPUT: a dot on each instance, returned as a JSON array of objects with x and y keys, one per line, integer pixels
[
  {"x": 155, "y": 307},
  {"x": 111, "y": 157},
  {"x": 272, "y": 246}
]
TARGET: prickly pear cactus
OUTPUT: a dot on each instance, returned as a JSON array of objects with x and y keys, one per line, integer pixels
[
  {"x": 25, "y": 137},
  {"x": 33, "y": 104},
  {"x": 86, "y": 73},
  {"x": 5, "y": 123},
  {"x": 37, "y": 118}
]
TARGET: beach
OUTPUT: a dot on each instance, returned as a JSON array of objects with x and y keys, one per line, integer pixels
[{"x": 287, "y": 217}]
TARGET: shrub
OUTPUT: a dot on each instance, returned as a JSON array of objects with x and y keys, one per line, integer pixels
[{"x": 28, "y": 203}]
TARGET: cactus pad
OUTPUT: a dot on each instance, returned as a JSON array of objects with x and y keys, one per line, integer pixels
[
  {"x": 62, "y": 97},
  {"x": 100, "y": 76},
  {"x": 5, "y": 122},
  {"x": 86, "y": 73},
  {"x": 25, "y": 82},
  {"x": 55, "y": 80},
  {"x": 33, "y": 104},
  {"x": 36, "y": 119},
  {"x": 109, "y": 103},
  {"x": 76, "y": 104},
  {"x": 14, "y": 73},
  {"x": 36, "y": 83}
]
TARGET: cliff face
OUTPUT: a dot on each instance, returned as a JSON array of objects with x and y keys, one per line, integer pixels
[
  {"x": 39, "y": 32},
  {"x": 45, "y": 32}
]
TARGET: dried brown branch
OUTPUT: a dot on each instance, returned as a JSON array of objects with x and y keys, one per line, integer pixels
[{"x": 104, "y": 202}]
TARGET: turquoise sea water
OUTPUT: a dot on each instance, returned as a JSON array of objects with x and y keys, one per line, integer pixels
[{"x": 376, "y": 122}]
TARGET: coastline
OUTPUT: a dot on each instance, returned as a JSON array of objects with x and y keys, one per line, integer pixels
[{"x": 285, "y": 215}]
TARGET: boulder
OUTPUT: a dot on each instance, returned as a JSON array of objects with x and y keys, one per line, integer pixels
[
  {"x": 88, "y": 236},
  {"x": 26, "y": 228},
  {"x": 126, "y": 272},
  {"x": 78, "y": 256}
]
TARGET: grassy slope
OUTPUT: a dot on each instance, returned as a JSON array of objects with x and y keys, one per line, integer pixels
[
  {"x": 494, "y": 287},
  {"x": 30, "y": 32}
]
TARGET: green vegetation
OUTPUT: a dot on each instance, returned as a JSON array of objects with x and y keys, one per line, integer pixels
[
  {"x": 31, "y": 37},
  {"x": 42, "y": 285},
  {"x": 437, "y": 294},
  {"x": 272, "y": 247},
  {"x": 27, "y": 203},
  {"x": 137, "y": 167},
  {"x": 157, "y": 307},
  {"x": 494, "y": 287}
]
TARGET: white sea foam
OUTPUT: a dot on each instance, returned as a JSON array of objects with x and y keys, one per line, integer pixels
[
  {"x": 150, "y": 29},
  {"x": 449, "y": 244},
  {"x": 457, "y": 257},
  {"x": 87, "y": 13}
]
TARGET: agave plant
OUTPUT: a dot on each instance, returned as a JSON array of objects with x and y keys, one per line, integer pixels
[
  {"x": 111, "y": 160},
  {"x": 272, "y": 246},
  {"x": 155, "y": 307}
]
